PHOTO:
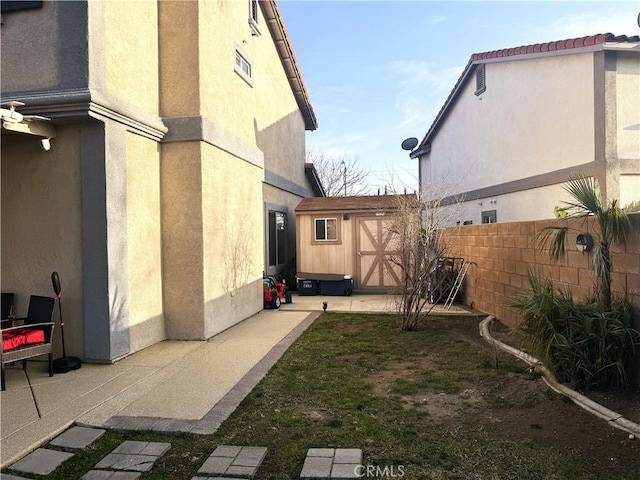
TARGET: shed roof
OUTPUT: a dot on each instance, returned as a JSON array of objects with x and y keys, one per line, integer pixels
[{"x": 351, "y": 204}]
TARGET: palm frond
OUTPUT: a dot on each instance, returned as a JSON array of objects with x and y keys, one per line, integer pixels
[
  {"x": 618, "y": 223},
  {"x": 586, "y": 193},
  {"x": 553, "y": 238}
]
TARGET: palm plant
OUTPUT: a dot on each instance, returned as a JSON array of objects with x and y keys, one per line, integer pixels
[
  {"x": 583, "y": 345},
  {"x": 613, "y": 223}
]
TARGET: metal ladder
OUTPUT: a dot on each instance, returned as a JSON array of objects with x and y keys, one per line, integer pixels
[{"x": 457, "y": 284}]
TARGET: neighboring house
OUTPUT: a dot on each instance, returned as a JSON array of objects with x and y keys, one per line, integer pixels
[
  {"x": 177, "y": 159},
  {"x": 349, "y": 236},
  {"x": 521, "y": 121}
]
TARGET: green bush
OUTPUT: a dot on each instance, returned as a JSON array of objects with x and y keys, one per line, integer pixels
[{"x": 583, "y": 344}]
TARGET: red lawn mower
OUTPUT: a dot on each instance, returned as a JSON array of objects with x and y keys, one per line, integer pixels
[{"x": 274, "y": 291}]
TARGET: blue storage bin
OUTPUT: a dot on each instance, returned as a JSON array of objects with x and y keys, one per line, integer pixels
[
  {"x": 307, "y": 287},
  {"x": 336, "y": 287}
]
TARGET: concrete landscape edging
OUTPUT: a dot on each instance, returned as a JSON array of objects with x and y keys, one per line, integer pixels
[{"x": 614, "y": 419}]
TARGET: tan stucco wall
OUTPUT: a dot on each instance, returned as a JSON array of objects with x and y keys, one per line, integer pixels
[
  {"x": 212, "y": 207},
  {"x": 182, "y": 253},
  {"x": 131, "y": 43},
  {"x": 268, "y": 104},
  {"x": 518, "y": 127},
  {"x": 144, "y": 243},
  {"x": 628, "y": 105},
  {"x": 41, "y": 227},
  {"x": 30, "y": 61},
  {"x": 233, "y": 240},
  {"x": 179, "y": 51}
]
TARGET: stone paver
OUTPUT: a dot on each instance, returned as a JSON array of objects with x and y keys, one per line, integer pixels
[
  {"x": 233, "y": 461},
  {"x": 41, "y": 461},
  {"x": 121, "y": 461},
  {"x": 213, "y": 478},
  {"x": 78, "y": 437},
  {"x": 136, "y": 456},
  {"x": 107, "y": 475},
  {"x": 143, "y": 448},
  {"x": 6, "y": 476},
  {"x": 328, "y": 463}
]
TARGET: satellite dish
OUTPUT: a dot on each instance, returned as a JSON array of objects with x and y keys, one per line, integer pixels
[{"x": 410, "y": 143}]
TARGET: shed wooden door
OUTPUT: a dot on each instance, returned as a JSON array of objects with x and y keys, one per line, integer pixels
[{"x": 373, "y": 254}]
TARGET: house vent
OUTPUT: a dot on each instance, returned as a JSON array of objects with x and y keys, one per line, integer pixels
[{"x": 481, "y": 84}]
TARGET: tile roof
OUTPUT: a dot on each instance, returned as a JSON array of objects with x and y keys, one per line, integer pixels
[
  {"x": 554, "y": 46},
  {"x": 351, "y": 204},
  {"x": 549, "y": 48}
]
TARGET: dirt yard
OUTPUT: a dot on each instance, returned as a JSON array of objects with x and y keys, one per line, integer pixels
[{"x": 521, "y": 406}]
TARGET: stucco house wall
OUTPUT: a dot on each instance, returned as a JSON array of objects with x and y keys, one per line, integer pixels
[
  {"x": 42, "y": 232},
  {"x": 161, "y": 170},
  {"x": 544, "y": 113}
]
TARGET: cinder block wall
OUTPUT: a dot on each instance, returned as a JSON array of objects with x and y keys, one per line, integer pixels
[{"x": 505, "y": 252}]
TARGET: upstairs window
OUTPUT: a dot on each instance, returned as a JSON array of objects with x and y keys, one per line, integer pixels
[
  {"x": 326, "y": 229},
  {"x": 481, "y": 84},
  {"x": 253, "y": 17},
  {"x": 243, "y": 67}
]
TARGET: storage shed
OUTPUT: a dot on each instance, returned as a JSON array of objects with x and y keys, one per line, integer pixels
[{"x": 348, "y": 236}]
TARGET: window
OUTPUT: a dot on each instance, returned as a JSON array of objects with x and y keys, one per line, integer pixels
[
  {"x": 489, "y": 216},
  {"x": 277, "y": 238},
  {"x": 326, "y": 229},
  {"x": 242, "y": 64},
  {"x": 253, "y": 17},
  {"x": 481, "y": 84},
  {"x": 243, "y": 67}
]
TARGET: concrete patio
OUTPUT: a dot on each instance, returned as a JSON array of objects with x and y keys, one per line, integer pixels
[{"x": 170, "y": 386}]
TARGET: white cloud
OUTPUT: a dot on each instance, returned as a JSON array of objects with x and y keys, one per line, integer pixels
[
  {"x": 420, "y": 89},
  {"x": 619, "y": 20},
  {"x": 435, "y": 19}
]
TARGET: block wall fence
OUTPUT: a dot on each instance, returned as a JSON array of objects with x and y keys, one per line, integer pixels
[{"x": 505, "y": 252}]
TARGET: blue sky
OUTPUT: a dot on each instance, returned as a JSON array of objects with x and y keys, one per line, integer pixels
[{"x": 379, "y": 71}]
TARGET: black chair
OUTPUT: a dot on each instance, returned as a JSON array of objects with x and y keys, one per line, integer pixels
[
  {"x": 6, "y": 309},
  {"x": 39, "y": 317}
]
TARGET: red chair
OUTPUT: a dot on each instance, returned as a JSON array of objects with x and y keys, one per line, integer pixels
[{"x": 32, "y": 338}]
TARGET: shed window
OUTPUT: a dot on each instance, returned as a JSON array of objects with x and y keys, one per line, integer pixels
[{"x": 326, "y": 229}]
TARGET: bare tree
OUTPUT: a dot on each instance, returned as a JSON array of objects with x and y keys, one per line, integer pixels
[
  {"x": 340, "y": 176},
  {"x": 420, "y": 244}
]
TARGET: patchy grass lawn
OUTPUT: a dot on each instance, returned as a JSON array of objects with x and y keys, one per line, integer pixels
[{"x": 439, "y": 402}]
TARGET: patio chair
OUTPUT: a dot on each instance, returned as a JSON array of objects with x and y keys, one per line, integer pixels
[
  {"x": 32, "y": 338},
  {"x": 6, "y": 310}
]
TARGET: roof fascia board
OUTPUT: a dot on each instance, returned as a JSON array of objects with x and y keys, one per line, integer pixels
[{"x": 278, "y": 30}]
